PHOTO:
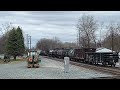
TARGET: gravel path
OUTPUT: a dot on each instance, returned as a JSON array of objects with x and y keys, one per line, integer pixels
[{"x": 49, "y": 69}]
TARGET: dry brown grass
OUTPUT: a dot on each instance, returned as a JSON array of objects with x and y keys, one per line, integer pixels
[{"x": 13, "y": 61}]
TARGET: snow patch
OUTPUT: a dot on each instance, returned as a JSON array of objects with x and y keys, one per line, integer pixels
[{"x": 103, "y": 50}]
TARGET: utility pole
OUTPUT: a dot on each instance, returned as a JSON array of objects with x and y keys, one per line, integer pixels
[
  {"x": 100, "y": 38},
  {"x": 78, "y": 39},
  {"x": 30, "y": 42},
  {"x": 112, "y": 40},
  {"x": 27, "y": 44},
  {"x": 102, "y": 26},
  {"x": 27, "y": 41}
]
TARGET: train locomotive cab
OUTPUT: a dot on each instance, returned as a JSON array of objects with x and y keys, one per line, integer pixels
[{"x": 33, "y": 59}]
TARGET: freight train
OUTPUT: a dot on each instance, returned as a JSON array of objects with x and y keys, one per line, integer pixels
[{"x": 87, "y": 55}]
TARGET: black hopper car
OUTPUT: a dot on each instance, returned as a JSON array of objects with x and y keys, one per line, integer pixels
[
  {"x": 43, "y": 53},
  {"x": 79, "y": 54},
  {"x": 58, "y": 53},
  {"x": 89, "y": 55},
  {"x": 53, "y": 53},
  {"x": 106, "y": 58},
  {"x": 62, "y": 53},
  {"x": 86, "y": 55}
]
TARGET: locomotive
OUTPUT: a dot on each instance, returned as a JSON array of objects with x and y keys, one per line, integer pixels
[
  {"x": 33, "y": 59},
  {"x": 87, "y": 55}
]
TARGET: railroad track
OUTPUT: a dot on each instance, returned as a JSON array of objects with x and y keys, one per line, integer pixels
[{"x": 114, "y": 71}]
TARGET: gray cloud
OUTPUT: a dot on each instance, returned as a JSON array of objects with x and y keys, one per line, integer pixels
[{"x": 43, "y": 24}]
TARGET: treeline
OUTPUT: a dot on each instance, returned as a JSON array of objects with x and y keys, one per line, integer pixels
[
  {"x": 112, "y": 37},
  {"x": 47, "y": 44}
]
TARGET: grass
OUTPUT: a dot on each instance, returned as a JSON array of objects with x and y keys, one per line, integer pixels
[
  {"x": 2, "y": 62},
  {"x": 19, "y": 59},
  {"x": 12, "y": 60}
]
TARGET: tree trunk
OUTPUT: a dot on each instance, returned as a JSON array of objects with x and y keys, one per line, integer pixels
[{"x": 14, "y": 57}]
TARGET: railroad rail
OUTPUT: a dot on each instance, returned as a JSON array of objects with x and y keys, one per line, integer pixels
[{"x": 114, "y": 71}]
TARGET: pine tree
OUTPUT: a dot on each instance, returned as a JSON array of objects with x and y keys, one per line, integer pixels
[
  {"x": 15, "y": 43},
  {"x": 20, "y": 41},
  {"x": 11, "y": 44}
]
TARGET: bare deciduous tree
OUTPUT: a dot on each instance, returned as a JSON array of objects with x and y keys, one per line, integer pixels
[
  {"x": 112, "y": 37},
  {"x": 87, "y": 26},
  {"x": 100, "y": 35},
  {"x": 69, "y": 45},
  {"x": 47, "y": 44},
  {"x": 4, "y": 30}
]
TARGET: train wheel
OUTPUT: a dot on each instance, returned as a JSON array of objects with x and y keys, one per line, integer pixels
[
  {"x": 104, "y": 63},
  {"x": 86, "y": 62},
  {"x": 90, "y": 63},
  {"x": 74, "y": 59},
  {"x": 113, "y": 65},
  {"x": 96, "y": 63},
  {"x": 30, "y": 66}
]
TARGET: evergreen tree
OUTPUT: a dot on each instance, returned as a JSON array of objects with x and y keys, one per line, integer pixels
[
  {"x": 20, "y": 41},
  {"x": 15, "y": 43}
]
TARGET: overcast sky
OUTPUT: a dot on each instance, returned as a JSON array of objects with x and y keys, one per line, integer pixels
[{"x": 48, "y": 24}]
